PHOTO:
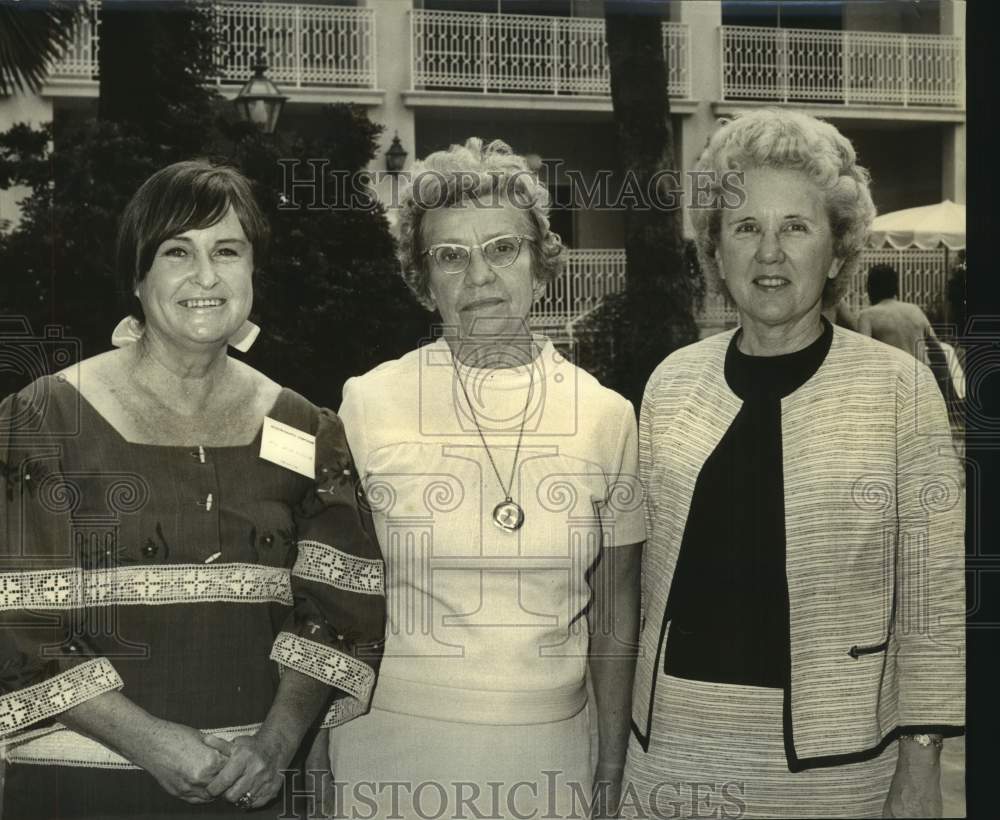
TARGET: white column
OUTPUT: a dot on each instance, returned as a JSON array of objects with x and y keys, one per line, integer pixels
[
  {"x": 392, "y": 35},
  {"x": 703, "y": 17},
  {"x": 33, "y": 110},
  {"x": 953, "y": 165},
  {"x": 953, "y": 142}
]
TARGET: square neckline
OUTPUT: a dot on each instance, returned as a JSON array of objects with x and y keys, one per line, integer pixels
[{"x": 85, "y": 402}]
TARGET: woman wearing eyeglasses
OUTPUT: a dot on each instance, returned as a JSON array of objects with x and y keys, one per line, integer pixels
[{"x": 500, "y": 477}]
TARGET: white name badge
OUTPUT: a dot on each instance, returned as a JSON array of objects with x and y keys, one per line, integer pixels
[{"x": 288, "y": 447}]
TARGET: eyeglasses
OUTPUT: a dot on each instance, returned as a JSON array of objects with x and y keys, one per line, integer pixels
[{"x": 499, "y": 252}]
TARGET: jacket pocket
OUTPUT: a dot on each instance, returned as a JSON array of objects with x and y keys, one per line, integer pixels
[{"x": 857, "y": 651}]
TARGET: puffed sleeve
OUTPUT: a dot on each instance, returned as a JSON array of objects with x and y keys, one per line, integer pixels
[
  {"x": 623, "y": 509},
  {"x": 929, "y": 630},
  {"x": 46, "y": 662},
  {"x": 336, "y": 631}
]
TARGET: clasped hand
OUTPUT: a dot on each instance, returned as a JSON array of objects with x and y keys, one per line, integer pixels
[
  {"x": 200, "y": 768},
  {"x": 251, "y": 768}
]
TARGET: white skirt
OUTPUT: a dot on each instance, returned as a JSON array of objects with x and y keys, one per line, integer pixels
[
  {"x": 387, "y": 764},
  {"x": 717, "y": 750}
]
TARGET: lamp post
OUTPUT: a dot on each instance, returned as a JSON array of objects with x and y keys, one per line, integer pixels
[
  {"x": 395, "y": 157},
  {"x": 259, "y": 101}
]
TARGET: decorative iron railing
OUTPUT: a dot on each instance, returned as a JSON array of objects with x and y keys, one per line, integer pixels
[
  {"x": 305, "y": 45},
  {"x": 79, "y": 61},
  {"x": 586, "y": 278},
  {"x": 841, "y": 67},
  {"x": 590, "y": 275},
  {"x": 923, "y": 280},
  {"x": 522, "y": 53}
]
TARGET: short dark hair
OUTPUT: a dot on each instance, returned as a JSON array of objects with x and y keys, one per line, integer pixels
[
  {"x": 883, "y": 283},
  {"x": 193, "y": 194}
]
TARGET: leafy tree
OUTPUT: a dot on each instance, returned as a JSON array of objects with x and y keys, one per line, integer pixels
[
  {"x": 58, "y": 262},
  {"x": 153, "y": 63},
  {"x": 633, "y": 331},
  {"x": 328, "y": 299}
]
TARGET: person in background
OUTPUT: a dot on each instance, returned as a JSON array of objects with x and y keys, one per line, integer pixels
[
  {"x": 904, "y": 325},
  {"x": 956, "y": 294},
  {"x": 841, "y": 314},
  {"x": 890, "y": 320}
]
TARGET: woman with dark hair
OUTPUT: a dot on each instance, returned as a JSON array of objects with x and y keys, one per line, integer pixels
[{"x": 171, "y": 519}]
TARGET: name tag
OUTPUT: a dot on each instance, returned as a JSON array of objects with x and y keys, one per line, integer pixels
[{"x": 288, "y": 447}]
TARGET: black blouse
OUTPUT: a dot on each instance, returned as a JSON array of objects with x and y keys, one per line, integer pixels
[{"x": 728, "y": 598}]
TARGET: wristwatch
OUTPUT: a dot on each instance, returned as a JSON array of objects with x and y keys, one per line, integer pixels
[{"x": 925, "y": 740}]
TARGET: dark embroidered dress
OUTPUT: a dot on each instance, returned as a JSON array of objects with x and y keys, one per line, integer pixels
[{"x": 173, "y": 574}]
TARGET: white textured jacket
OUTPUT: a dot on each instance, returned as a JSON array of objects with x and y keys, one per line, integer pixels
[{"x": 874, "y": 512}]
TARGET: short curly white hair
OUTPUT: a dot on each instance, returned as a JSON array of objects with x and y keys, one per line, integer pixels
[
  {"x": 774, "y": 138},
  {"x": 465, "y": 172}
]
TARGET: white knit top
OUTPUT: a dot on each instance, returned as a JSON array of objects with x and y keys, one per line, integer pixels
[{"x": 487, "y": 625}]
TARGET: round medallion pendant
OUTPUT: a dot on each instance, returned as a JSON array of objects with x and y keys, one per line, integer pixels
[{"x": 507, "y": 515}]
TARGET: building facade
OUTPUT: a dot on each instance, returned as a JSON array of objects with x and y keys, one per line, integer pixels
[{"x": 889, "y": 75}]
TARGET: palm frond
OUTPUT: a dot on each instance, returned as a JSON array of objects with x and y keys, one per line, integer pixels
[{"x": 32, "y": 35}]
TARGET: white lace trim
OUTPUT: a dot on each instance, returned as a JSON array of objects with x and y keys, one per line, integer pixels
[
  {"x": 342, "y": 711},
  {"x": 20, "y": 709},
  {"x": 324, "y": 663},
  {"x": 328, "y": 565},
  {"x": 59, "y": 746},
  {"x": 72, "y": 588},
  {"x": 64, "y": 747}
]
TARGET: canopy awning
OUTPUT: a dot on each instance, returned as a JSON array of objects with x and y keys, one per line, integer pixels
[{"x": 926, "y": 227}]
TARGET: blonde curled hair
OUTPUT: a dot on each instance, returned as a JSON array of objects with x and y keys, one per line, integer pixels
[
  {"x": 774, "y": 138},
  {"x": 492, "y": 175}
]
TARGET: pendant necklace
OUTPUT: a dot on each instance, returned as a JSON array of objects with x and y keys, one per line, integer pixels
[{"x": 508, "y": 514}]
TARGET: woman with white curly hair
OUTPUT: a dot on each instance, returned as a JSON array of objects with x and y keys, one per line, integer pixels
[
  {"x": 501, "y": 481},
  {"x": 802, "y": 648}
]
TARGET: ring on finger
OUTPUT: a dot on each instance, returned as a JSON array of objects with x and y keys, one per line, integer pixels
[{"x": 245, "y": 801}]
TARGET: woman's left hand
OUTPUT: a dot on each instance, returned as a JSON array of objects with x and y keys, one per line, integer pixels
[
  {"x": 254, "y": 768},
  {"x": 916, "y": 785}
]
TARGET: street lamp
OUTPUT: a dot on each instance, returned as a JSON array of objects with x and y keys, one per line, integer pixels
[
  {"x": 260, "y": 101},
  {"x": 395, "y": 157}
]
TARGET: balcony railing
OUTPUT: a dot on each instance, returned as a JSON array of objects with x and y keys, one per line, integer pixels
[
  {"x": 589, "y": 276},
  {"x": 923, "y": 280},
  {"x": 841, "y": 67},
  {"x": 305, "y": 45},
  {"x": 586, "y": 278},
  {"x": 79, "y": 61},
  {"x": 521, "y": 53}
]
